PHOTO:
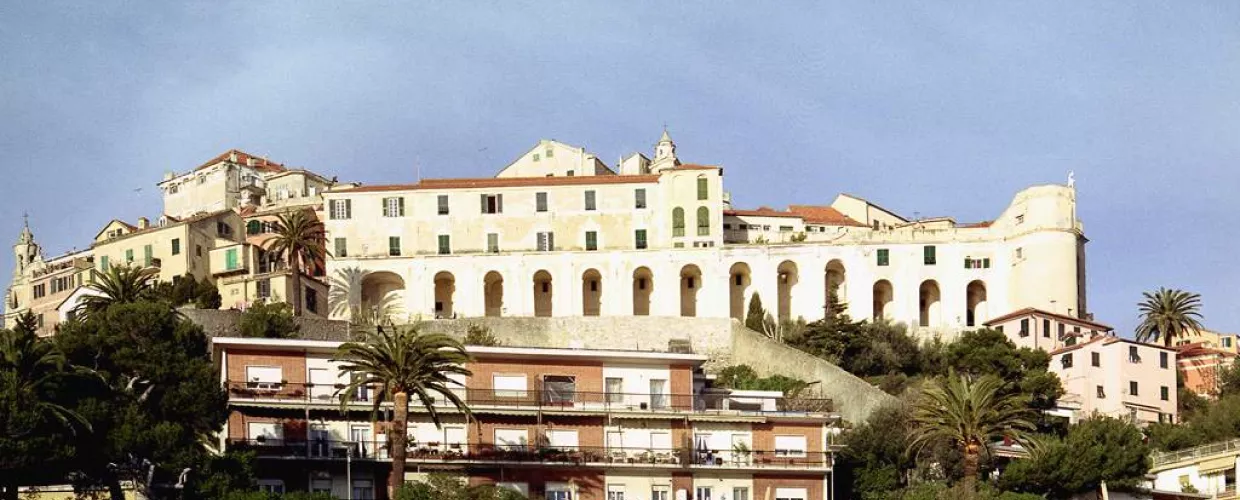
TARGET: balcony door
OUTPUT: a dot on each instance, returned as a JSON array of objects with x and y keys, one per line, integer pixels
[
  {"x": 322, "y": 384},
  {"x": 658, "y": 395},
  {"x": 559, "y": 390}
]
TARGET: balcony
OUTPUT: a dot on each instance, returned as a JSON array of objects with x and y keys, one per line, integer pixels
[
  {"x": 576, "y": 456},
  {"x": 483, "y": 400}
]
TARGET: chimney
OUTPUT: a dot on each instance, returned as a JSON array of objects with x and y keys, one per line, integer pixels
[
  {"x": 144, "y": 223},
  {"x": 232, "y": 156}
]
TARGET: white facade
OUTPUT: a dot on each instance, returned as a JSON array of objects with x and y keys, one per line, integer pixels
[
  {"x": 489, "y": 254},
  {"x": 1118, "y": 378}
]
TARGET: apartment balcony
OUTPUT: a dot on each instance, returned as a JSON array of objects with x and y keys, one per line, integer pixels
[
  {"x": 696, "y": 406},
  {"x": 563, "y": 456}
]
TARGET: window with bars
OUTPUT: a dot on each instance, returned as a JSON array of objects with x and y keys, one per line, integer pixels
[
  {"x": 546, "y": 241},
  {"x": 394, "y": 246},
  {"x": 445, "y": 245}
]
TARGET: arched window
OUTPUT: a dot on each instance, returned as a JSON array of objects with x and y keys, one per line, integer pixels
[
  {"x": 703, "y": 221},
  {"x": 253, "y": 227},
  {"x": 678, "y": 221}
]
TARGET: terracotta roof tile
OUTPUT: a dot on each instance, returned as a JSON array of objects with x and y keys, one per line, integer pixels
[
  {"x": 500, "y": 182},
  {"x": 243, "y": 158},
  {"x": 1199, "y": 349},
  {"x": 1033, "y": 310},
  {"x": 760, "y": 212},
  {"x": 692, "y": 166},
  {"x": 968, "y": 225},
  {"x": 816, "y": 214}
]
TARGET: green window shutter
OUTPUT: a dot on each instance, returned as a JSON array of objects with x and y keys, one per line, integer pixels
[
  {"x": 129, "y": 256},
  {"x": 176, "y": 246},
  {"x": 342, "y": 249},
  {"x": 401, "y": 204},
  {"x": 928, "y": 255},
  {"x": 640, "y": 237},
  {"x": 148, "y": 256},
  {"x": 703, "y": 221},
  {"x": 591, "y": 240},
  {"x": 253, "y": 227},
  {"x": 230, "y": 259},
  {"x": 883, "y": 257},
  {"x": 103, "y": 263},
  {"x": 445, "y": 245},
  {"x": 702, "y": 190},
  {"x": 394, "y": 246},
  {"x": 484, "y": 203},
  {"x": 678, "y": 221}
]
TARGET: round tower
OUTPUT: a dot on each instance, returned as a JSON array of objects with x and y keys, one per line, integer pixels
[{"x": 25, "y": 250}]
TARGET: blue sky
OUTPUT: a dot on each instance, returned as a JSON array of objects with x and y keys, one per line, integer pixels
[{"x": 943, "y": 109}]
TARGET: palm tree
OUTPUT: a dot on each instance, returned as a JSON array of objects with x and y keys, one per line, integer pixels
[
  {"x": 119, "y": 285},
  {"x": 301, "y": 240},
  {"x": 398, "y": 362},
  {"x": 344, "y": 294},
  {"x": 1168, "y": 314},
  {"x": 969, "y": 414}
]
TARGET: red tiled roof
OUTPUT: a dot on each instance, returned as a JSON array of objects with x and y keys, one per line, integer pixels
[
  {"x": 499, "y": 182},
  {"x": 243, "y": 158},
  {"x": 760, "y": 212},
  {"x": 1033, "y": 310},
  {"x": 1199, "y": 349},
  {"x": 816, "y": 214},
  {"x": 986, "y": 223},
  {"x": 1105, "y": 339}
]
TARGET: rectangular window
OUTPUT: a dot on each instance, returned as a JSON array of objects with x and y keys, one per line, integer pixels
[
  {"x": 1162, "y": 360},
  {"x": 1046, "y": 328},
  {"x": 928, "y": 256},
  {"x": 790, "y": 446},
  {"x": 615, "y": 492},
  {"x": 1164, "y": 393},
  {"x": 1101, "y": 393},
  {"x": 1095, "y": 359},
  {"x": 342, "y": 248},
  {"x": 129, "y": 256},
  {"x": 260, "y": 375},
  {"x": 176, "y": 246},
  {"x": 509, "y": 386},
  {"x": 394, "y": 246},
  {"x": 590, "y": 202},
  {"x": 1132, "y": 388},
  {"x": 884, "y": 257},
  {"x": 562, "y": 439},
  {"x": 341, "y": 209},
  {"x": 493, "y": 242},
  {"x": 986, "y": 263},
  {"x": 702, "y": 493},
  {"x": 613, "y": 387},
  {"x": 791, "y": 494},
  {"x": 492, "y": 203},
  {"x": 702, "y": 189},
  {"x": 148, "y": 256},
  {"x": 264, "y": 288},
  {"x": 639, "y": 198},
  {"x": 1024, "y": 327},
  {"x": 639, "y": 239},
  {"x": 546, "y": 242},
  {"x": 540, "y": 202},
  {"x": 230, "y": 259},
  {"x": 1066, "y": 360},
  {"x": 445, "y": 246},
  {"x": 1133, "y": 355},
  {"x": 394, "y": 207},
  {"x": 443, "y": 204},
  {"x": 660, "y": 493},
  {"x": 591, "y": 240},
  {"x": 740, "y": 493},
  {"x": 1061, "y": 333},
  {"x": 103, "y": 263}
]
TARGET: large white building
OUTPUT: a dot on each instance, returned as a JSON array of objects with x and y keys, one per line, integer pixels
[{"x": 559, "y": 233}]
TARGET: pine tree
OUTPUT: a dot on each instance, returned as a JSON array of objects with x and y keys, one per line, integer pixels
[{"x": 756, "y": 316}]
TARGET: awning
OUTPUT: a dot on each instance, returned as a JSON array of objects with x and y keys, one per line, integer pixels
[{"x": 1217, "y": 464}]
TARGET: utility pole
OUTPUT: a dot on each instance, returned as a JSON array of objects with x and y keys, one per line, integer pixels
[{"x": 348, "y": 472}]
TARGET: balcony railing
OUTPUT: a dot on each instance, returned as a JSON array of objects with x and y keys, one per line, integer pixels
[
  {"x": 1196, "y": 452},
  {"x": 551, "y": 455},
  {"x": 549, "y": 400}
]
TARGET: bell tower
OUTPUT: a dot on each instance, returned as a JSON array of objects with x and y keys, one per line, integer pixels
[
  {"x": 26, "y": 250},
  {"x": 664, "y": 153}
]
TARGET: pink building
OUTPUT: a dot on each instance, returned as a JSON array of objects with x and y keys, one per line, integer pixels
[
  {"x": 1038, "y": 329},
  {"x": 1116, "y": 377}
]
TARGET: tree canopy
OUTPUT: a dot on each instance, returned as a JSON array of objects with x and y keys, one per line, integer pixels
[
  {"x": 1094, "y": 450},
  {"x": 272, "y": 321}
]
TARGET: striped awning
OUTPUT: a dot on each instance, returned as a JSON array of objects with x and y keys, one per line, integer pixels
[{"x": 1217, "y": 464}]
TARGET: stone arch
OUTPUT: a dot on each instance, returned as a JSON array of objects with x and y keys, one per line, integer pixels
[
  {"x": 542, "y": 293},
  {"x": 787, "y": 278},
  {"x": 493, "y": 293},
  {"x": 883, "y": 296},
  {"x": 975, "y": 307},
  {"x": 643, "y": 286},
  {"x": 445, "y": 288},
  {"x": 382, "y": 286},
  {"x": 690, "y": 283},
  {"x": 591, "y": 292},
  {"x": 836, "y": 283},
  {"x": 929, "y": 304},
  {"x": 739, "y": 279}
]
